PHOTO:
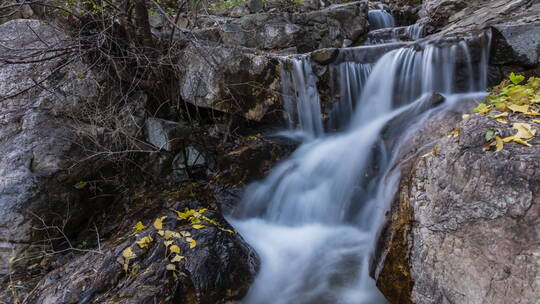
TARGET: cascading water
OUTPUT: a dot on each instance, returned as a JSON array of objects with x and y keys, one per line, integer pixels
[
  {"x": 315, "y": 218},
  {"x": 405, "y": 33},
  {"x": 301, "y": 98},
  {"x": 379, "y": 19},
  {"x": 350, "y": 78}
]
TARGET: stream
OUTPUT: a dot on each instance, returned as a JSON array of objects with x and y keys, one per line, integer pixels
[{"x": 315, "y": 219}]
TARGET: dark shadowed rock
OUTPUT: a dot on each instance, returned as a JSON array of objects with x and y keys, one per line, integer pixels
[
  {"x": 213, "y": 265},
  {"x": 252, "y": 159},
  {"x": 516, "y": 44},
  {"x": 37, "y": 140},
  {"x": 188, "y": 162}
]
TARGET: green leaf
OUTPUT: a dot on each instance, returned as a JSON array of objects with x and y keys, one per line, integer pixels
[
  {"x": 516, "y": 78},
  {"x": 490, "y": 134}
]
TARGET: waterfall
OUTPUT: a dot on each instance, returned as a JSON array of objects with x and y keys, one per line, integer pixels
[
  {"x": 350, "y": 78},
  {"x": 301, "y": 98},
  {"x": 315, "y": 218},
  {"x": 387, "y": 35},
  {"x": 379, "y": 19}
]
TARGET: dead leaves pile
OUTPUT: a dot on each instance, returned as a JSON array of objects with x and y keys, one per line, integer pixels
[
  {"x": 171, "y": 239},
  {"x": 512, "y": 100}
]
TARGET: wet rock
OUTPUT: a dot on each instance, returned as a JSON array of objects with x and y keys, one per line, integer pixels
[
  {"x": 396, "y": 125},
  {"x": 403, "y": 33},
  {"x": 213, "y": 265},
  {"x": 252, "y": 159},
  {"x": 405, "y": 12},
  {"x": 37, "y": 137},
  {"x": 367, "y": 54},
  {"x": 516, "y": 44},
  {"x": 462, "y": 228},
  {"x": 324, "y": 56},
  {"x": 165, "y": 134}
]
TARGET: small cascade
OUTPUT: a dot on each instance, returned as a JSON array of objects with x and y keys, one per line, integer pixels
[
  {"x": 315, "y": 218},
  {"x": 301, "y": 98},
  {"x": 387, "y": 35},
  {"x": 348, "y": 80},
  {"x": 379, "y": 19}
]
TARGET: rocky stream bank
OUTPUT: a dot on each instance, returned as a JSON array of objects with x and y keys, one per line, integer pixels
[{"x": 109, "y": 197}]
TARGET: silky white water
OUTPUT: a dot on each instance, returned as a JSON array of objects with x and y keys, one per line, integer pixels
[
  {"x": 405, "y": 33},
  {"x": 301, "y": 99},
  {"x": 379, "y": 19},
  {"x": 314, "y": 219}
]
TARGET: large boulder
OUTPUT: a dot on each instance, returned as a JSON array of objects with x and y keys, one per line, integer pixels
[
  {"x": 231, "y": 80},
  {"x": 37, "y": 141},
  {"x": 516, "y": 44},
  {"x": 464, "y": 225},
  {"x": 450, "y": 15},
  {"x": 306, "y": 31},
  {"x": 242, "y": 8}
]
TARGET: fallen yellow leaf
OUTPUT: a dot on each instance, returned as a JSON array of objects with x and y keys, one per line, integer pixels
[
  {"x": 501, "y": 120},
  {"x": 171, "y": 234},
  {"x": 186, "y": 214},
  {"x": 80, "y": 185},
  {"x": 145, "y": 241},
  {"x": 174, "y": 249},
  {"x": 522, "y": 142},
  {"x": 171, "y": 267},
  {"x": 168, "y": 243},
  {"x": 499, "y": 144},
  {"x": 505, "y": 114},
  {"x": 428, "y": 154},
  {"x": 196, "y": 226},
  {"x": 128, "y": 254},
  {"x": 177, "y": 258},
  {"x": 139, "y": 226},
  {"x": 158, "y": 223},
  {"x": 454, "y": 133},
  {"x": 518, "y": 108},
  {"x": 524, "y": 131},
  {"x": 192, "y": 242}
]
